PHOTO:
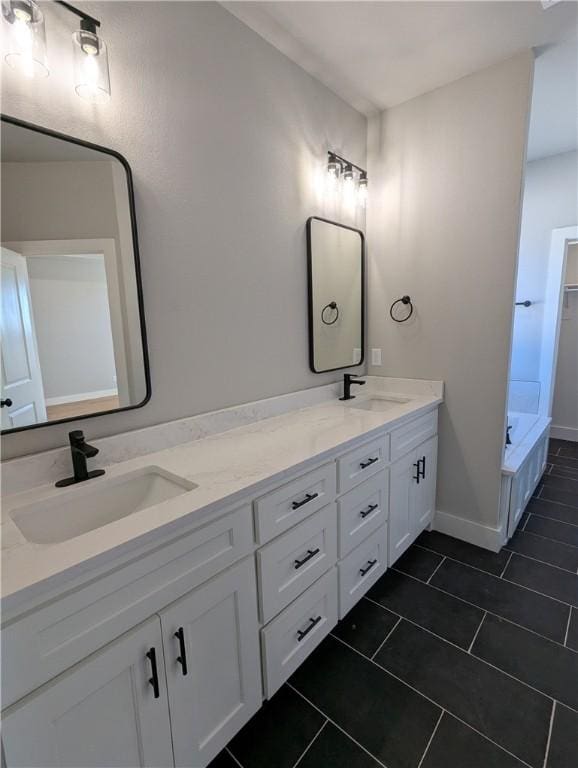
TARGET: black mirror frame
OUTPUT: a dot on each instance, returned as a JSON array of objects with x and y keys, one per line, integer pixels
[
  {"x": 80, "y": 142},
  {"x": 310, "y": 294}
]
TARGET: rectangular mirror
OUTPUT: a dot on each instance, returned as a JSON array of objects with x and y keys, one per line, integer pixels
[
  {"x": 73, "y": 335},
  {"x": 335, "y": 255}
]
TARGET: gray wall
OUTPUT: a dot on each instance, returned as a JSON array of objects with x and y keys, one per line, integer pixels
[
  {"x": 227, "y": 140},
  {"x": 443, "y": 227}
]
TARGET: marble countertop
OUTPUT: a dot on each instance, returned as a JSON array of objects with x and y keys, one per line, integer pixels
[{"x": 226, "y": 467}]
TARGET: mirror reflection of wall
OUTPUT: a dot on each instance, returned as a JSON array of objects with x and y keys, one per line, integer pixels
[
  {"x": 336, "y": 295},
  {"x": 71, "y": 322}
]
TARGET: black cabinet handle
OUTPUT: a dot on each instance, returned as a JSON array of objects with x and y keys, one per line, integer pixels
[
  {"x": 304, "y": 632},
  {"x": 310, "y": 553},
  {"x": 182, "y": 659},
  {"x": 368, "y": 511},
  {"x": 370, "y": 564},
  {"x": 154, "y": 680},
  {"x": 368, "y": 463},
  {"x": 309, "y": 497},
  {"x": 6, "y": 403},
  {"x": 422, "y": 460},
  {"x": 417, "y": 475}
]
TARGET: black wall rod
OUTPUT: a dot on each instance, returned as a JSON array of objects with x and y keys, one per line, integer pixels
[
  {"x": 78, "y": 12},
  {"x": 524, "y": 303},
  {"x": 345, "y": 161}
]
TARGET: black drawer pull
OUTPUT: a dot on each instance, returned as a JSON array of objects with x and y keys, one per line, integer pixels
[
  {"x": 368, "y": 463},
  {"x": 368, "y": 511},
  {"x": 310, "y": 553},
  {"x": 154, "y": 680},
  {"x": 422, "y": 468},
  {"x": 417, "y": 476},
  {"x": 370, "y": 564},
  {"x": 308, "y": 497},
  {"x": 182, "y": 659},
  {"x": 303, "y": 632}
]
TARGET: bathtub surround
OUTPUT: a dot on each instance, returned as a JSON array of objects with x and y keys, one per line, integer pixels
[
  {"x": 224, "y": 137},
  {"x": 443, "y": 225}
]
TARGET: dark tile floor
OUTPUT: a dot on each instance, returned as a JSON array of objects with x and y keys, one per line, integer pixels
[{"x": 456, "y": 658}]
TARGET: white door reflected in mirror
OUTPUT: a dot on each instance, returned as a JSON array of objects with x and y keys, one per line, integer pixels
[{"x": 72, "y": 334}]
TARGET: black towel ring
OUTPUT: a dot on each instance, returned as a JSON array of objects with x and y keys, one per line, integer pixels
[
  {"x": 404, "y": 300},
  {"x": 331, "y": 305}
]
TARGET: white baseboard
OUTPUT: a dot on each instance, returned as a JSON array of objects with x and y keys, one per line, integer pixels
[
  {"x": 564, "y": 433},
  {"x": 467, "y": 530},
  {"x": 82, "y": 396}
]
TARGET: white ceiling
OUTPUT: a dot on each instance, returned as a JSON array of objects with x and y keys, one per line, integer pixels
[{"x": 378, "y": 54}]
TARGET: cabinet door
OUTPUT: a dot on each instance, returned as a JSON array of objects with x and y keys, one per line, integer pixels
[
  {"x": 401, "y": 503},
  {"x": 211, "y": 642},
  {"x": 425, "y": 490},
  {"x": 101, "y": 712}
]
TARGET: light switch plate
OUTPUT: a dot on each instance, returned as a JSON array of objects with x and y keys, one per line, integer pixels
[{"x": 376, "y": 356}]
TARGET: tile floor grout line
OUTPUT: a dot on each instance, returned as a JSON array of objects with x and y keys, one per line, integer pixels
[
  {"x": 507, "y": 564},
  {"x": 431, "y": 738},
  {"x": 385, "y": 639},
  {"x": 486, "y": 573},
  {"x": 546, "y": 538},
  {"x": 459, "y": 648},
  {"x": 428, "y": 698},
  {"x": 232, "y": 756},
  {"x": 536, "y": 560},
  {"x": 439, "y": 565},
  {"x": 553, "y": 501},
  {"x": 339, "y": 727},
  {"x": 474, "y": 638},
  {"x": 523, "y": 528},
  {"x": 495, "y": 615},
  {"x": 555, "y": 519},
  {"x": 549, "y": 734},
  {"x": 568, "y": 628},
  {"x": 308, "y": 747}
]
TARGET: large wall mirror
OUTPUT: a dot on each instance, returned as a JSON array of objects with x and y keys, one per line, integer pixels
[
  {"x": 73, "y": 336},
  {"x": 335, "y": 255}
]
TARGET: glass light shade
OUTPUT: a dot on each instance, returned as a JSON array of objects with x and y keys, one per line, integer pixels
[
  {"x": 362, "y": 189},
  {"x": 91, "y": 78},
  {"x": 24, "y": 37},
  {"x": 333, "y": 167}
]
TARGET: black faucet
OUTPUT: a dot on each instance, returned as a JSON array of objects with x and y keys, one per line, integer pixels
[
  {"x": 348, "y": 380},
  {"x": 80, "y": 451},
  {"x": 508, "y": 438}
]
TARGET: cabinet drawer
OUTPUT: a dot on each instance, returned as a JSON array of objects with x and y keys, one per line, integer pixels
[
  {"x": 44, "y": 643},
  {"x": 408, "y": 437},
  {"x": 361, "y": 569},
  {"x": 292, "y": 562},
  {"x": 362, "y": 462},
  {"x": 362, "y": 511},
  {"x": 290, "y": 638},
  {"x": 285, "y": 507}
]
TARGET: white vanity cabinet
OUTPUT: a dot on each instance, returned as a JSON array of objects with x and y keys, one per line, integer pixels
[
  {"x": 212, "y": 661},
  {"x": 159, "y": 659},
  {"x": 102, "y": 712},
  {"x": 412, "y": 496},
  {"x": 119, "y": 707}
]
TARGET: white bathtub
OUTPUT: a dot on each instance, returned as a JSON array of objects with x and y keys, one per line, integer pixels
[{"x": 523, "y": 466}]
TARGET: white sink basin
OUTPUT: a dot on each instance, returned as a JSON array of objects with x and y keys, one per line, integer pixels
[
  {"x": 378, "y": 403},
  {"x": 94, "y": 503}
]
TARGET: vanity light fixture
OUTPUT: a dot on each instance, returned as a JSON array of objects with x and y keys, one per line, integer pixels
[
  {"x": 352, "y": 175},
  {"x": 25, "y": 47},
  {"x": 91, "y": 77},
  {"x": 362, "y": 188},
  {"x": 333, "y": 167},
  {"x": 24, "y": 37}
]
